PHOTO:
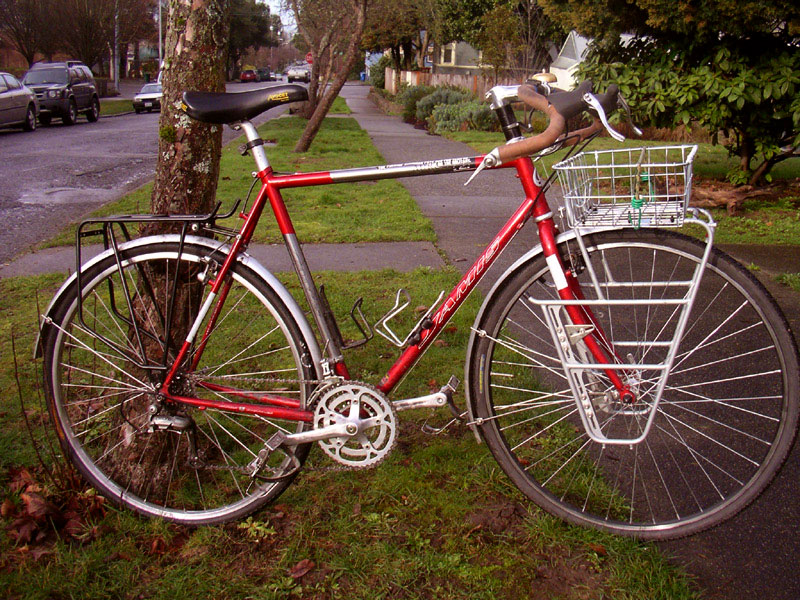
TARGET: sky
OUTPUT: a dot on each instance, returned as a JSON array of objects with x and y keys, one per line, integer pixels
[{"x": 286, "y": 17}]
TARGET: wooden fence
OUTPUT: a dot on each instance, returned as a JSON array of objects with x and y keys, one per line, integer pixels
[{"x": 477, "y": 84}]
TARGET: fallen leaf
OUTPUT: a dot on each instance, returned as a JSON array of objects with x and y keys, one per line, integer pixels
[
  {"x": 37, "y": 506},
  {"x": 74, "y": 527},
  {"x": 597, "y": 549},
  {"x": 20, "y": 479},
  {"x": 7, "y": 509},
  {"x": 301, "y": 568},
  {"x": 23, "y": 530},
  {"x": 158, "y": 546},
  {"x": 41, "y": 551}
]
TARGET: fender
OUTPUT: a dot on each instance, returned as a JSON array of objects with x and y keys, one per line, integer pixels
[
  {"x": 530, "y": 255},
  {"x": 212, "y": 245}
]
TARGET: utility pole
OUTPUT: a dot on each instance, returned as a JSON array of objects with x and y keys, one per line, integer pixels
[
  {"x": 116, "y": 45},
  {"x": 160, "y": 52}
]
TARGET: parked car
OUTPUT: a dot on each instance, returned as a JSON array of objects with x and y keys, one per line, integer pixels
[
  {"x": 18, "y": 104},
  {"x": 265, "y": 75},
  {"x": 148, "y": 98},
  {"x": 298, "y": 73},
  {"x": 248, "y": 75},
  {"x": 64, "y": 89}
]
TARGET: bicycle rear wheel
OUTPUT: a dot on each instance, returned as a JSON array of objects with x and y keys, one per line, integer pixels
[
  {"x": 102, "y": 371},
  {"x": 723, "y": 427}
]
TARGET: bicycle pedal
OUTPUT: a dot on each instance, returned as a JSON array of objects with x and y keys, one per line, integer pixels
[{"x": 259, "y": 463}]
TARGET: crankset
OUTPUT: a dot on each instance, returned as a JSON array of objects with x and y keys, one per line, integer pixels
[{"x": 370, "y": 421}]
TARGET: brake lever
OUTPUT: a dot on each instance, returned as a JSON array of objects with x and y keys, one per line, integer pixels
[
  {"x": 594, "y": 103},
  {"x": 627, "y": 108},
  {"x": 490, "y": 160}
]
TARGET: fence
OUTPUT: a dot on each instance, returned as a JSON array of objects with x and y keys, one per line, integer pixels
[{"x": 477, "y": 84}]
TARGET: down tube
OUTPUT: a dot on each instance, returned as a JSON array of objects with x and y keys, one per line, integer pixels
[{"x": 468, "y": 282}]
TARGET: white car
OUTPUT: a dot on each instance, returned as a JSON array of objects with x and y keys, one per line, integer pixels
[
  {"x": 298, "y": 73},
  {"x": 148, "y": 98}
]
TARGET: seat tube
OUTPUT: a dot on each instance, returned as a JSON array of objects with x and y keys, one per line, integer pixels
[{"x": 303, "y": 271}]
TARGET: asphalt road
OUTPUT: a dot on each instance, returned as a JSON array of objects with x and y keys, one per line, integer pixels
[{"x": 58, "y": 174}]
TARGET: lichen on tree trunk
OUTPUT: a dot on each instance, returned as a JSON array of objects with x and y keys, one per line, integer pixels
[{"x": 188, "y": 150}]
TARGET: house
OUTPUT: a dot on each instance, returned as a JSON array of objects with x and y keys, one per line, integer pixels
[
  {"x": 566, "y": 63},
  {"x": 457, "y": 58}
]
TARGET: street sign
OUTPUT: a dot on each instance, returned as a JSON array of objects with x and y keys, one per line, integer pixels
[{"x": 309, "y": 58}]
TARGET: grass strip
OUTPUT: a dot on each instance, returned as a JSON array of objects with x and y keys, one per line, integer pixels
[
  {"x": 115, "y": 106},
  {"x": 381, "y": 211}
]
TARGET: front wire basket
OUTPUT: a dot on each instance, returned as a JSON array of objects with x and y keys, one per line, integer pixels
[{"x": 629, "y": 187}]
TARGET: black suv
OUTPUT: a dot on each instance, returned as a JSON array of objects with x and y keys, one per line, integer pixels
[{"x": 64, "y": 89}]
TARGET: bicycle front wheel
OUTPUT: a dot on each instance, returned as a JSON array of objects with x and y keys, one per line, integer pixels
[
  {"x": 104, "y": 360},
  {"x": 725, "y": 422}
]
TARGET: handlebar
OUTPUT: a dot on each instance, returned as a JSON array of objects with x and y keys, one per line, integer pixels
[{"x": 559, "y": 108}]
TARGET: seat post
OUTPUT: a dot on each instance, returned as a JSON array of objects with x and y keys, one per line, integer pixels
[{"x": 254, "y": 144}]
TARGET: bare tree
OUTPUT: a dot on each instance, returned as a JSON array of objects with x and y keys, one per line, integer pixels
[
  {"x": 22, "y": 21},
  {"x": 85, "y": 27},
  {"x": 333, "y": 33}
]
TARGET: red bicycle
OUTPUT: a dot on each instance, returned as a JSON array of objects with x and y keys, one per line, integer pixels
[{"x": 623, "y": 375}]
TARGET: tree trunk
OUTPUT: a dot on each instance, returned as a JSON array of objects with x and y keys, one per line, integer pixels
[
  {"x": 351, "y": 55},
  {"x": 188, "y": 150}
]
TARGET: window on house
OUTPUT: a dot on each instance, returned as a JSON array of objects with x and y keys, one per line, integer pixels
[{"x": 447, "y": 54}]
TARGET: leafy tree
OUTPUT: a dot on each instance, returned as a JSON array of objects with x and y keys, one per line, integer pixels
[
  {"x": 520, "y": 29},
  {"x": 393, "y": 25},
  {"x": 252, "y": 26},
  {"x": 499, "y": 38},
  {"x": 461, "y": 19},
  {"x": 732, "y": 67}
]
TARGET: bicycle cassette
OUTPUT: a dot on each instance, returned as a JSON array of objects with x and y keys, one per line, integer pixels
[{"x": 370, "y": 411}]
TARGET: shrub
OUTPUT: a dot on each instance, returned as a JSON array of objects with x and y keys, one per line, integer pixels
[
  {"x": 409, "y": 97},
  {"x": 377, "y": 72},
  {"x": 426, "y": 105},
  {"x": 462, "y": 116}
]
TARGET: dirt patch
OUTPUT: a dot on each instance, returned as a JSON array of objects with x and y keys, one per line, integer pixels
[
  {"x": 571, "y": 577},
  {"x": 499, "y": 519}
]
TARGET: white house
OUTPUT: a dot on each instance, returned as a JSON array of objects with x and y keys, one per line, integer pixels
[{"x": 566, "y": 63}]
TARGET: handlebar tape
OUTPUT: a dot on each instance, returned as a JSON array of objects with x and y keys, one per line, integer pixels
[{"x": 559, "y": 107}]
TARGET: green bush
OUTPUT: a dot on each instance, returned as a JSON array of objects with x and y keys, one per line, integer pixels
[
  {"x": 472, "y": 115},
  {"x": 426, "y": 105},
  {"x": 377, "y": 72},
  {"x": 408, "y": 98}
]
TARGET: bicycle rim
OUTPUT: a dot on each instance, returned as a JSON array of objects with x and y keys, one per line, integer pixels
[
  {"x": 722, "y": 428},
  {"x": 185, "y": 465}
]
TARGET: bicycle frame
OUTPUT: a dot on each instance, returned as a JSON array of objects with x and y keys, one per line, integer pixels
[{"x": 534, "y": 205}]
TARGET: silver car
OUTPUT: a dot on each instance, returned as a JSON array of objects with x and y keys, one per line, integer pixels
[
  {"x": 18, "y": 104},
  {"x": 148, "y": 98}
]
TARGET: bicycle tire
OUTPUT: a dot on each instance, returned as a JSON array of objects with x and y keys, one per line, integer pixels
[
  {"x": 98, "y": 398},
  {"x": 725, "y": 423}
]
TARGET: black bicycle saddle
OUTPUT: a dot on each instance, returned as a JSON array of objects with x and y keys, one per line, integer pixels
[{"x": 230, "y": 107}]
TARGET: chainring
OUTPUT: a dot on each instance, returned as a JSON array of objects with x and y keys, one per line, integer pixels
[{"x": 371, "y": 412}]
